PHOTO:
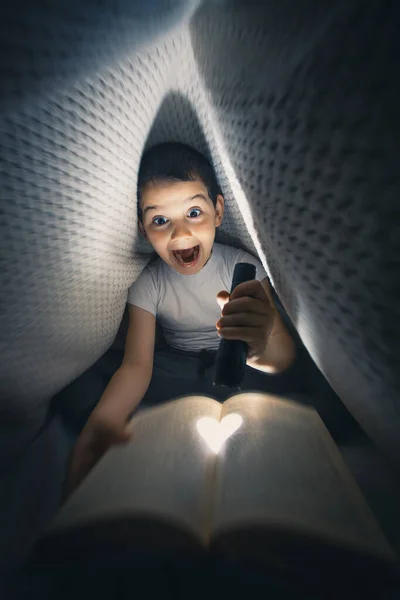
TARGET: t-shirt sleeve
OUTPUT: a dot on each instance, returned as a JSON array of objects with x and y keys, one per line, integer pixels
[
  {"x": 243, "y": 256},
  {"x": 143, "y": 292}
]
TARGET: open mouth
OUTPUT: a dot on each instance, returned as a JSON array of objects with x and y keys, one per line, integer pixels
[{"x": 187, "y": 257}]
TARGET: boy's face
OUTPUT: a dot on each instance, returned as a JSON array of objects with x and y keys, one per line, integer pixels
[{"x": 179, "y": 220}]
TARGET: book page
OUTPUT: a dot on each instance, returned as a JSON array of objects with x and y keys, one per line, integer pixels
[
  {"x": 163, "y": 471},
  {"x": 282, "y": 467}
]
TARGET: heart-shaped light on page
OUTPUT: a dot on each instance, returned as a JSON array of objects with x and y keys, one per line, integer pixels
[{"x": 215, "y": 433}]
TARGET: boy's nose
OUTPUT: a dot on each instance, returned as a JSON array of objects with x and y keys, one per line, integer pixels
[{"x": 181, "y": 231}]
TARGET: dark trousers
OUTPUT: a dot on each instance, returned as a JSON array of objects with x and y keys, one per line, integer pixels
[{"x": 178, "y": 373}]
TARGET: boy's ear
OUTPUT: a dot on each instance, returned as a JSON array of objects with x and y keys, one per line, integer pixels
[
  {"x": 219, "y": 210},
  {"x": 142, "y": 229}
]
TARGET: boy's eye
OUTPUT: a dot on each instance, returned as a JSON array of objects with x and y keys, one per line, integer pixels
[
  {"x": 194, "y": 212},
  {"x": 157, "y": 220}
]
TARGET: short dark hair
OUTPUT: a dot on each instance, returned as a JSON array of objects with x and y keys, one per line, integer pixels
[{"x": 177, "y": 162}]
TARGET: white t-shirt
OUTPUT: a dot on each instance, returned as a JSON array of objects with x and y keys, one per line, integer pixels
[{"x": 186, "y": 305}]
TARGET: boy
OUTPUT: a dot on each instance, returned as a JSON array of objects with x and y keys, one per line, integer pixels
[{"x": 180, "y": 205}]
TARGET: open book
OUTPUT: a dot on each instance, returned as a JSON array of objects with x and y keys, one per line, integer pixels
[{"x": 275, "y": 492}]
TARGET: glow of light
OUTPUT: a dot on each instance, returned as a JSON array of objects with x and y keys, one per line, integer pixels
[{"x": 215, "y": 433}]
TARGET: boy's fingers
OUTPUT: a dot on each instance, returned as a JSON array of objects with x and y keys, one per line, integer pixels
[
  {"x": 84, "y": 454},
  {"x": 89, "y": 449},
  {"x": 248, "y": 296},
  {"x": 78, "y": 468},
  {"x": 84, "y": 463},
  {"x": 245, "y": 304},
  {"x": 116, "y": 433},
  {"x": 122, "y": 436},
  {"x": 251, "y": 288},
  {"x": 244, "y": 334},
  {"x": 78, "y": 455},
  {"x": 241, "y": 319}
]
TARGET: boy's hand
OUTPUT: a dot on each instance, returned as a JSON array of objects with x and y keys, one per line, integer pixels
[
  {"x": 100, "y": 433},
  {"x": 248, "y": 315}
]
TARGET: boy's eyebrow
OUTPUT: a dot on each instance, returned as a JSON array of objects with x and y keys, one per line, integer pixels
[
  {"x": 189, "y": 199},
  {"x": 199, "y": 195},
  {"x": 154, "y": 207}
]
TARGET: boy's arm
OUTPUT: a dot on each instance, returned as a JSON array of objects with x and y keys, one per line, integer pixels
[
  {"x": 280, "y": 350},
  {"x": 107, "y": 425},
  {"x": 130, "y": 382}
]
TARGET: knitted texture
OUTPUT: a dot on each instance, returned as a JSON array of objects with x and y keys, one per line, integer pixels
[{"x": 297, "y": 105}]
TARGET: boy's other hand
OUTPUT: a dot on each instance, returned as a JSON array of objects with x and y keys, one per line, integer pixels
[
  {"x": 247, "y": 315},
  {"x": 99, "y": 434}
]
